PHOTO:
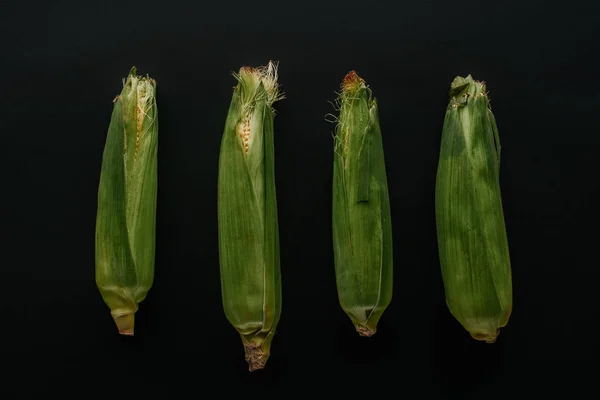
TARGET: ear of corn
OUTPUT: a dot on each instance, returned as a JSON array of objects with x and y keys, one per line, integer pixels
[
  {"x": 125, "y": 221},
  {"x": 472, "y": 239},
  {"x": 247, "y": 213},
  {"x": 362, "y": 231}
]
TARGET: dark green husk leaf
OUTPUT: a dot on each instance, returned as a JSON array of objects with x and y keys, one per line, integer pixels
[
  {"x": 362, "y": 231},
  {"x": 472, "y": 238},
  {"x": 126, "y": 213},
  {"x": 247, "y": 214}
]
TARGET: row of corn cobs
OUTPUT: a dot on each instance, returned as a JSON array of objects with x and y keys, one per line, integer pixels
[{"x": 472, "y": 240}]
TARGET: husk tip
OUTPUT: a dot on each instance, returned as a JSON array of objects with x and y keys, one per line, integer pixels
[{"x": 459, "y": 82}]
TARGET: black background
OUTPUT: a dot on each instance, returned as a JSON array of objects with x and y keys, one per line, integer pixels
[{"x": 61, "y": 66}]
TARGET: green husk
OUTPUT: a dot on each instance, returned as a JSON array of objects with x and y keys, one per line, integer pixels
[
  {"x": 126, "y": 213},
  {"x": 472, "y": 239},
  {"x": 247, "y": 213},
  {"x": 362, "y": 230}
]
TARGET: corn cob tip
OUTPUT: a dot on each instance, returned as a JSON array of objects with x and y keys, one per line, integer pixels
[
  {"x": 125, "y": 322},
  {"x": 267, "y": 75},
  {"x": 365, "y": 331},
  {"x": 352, "y": 82},
  {"x": 256, "y": 357}
]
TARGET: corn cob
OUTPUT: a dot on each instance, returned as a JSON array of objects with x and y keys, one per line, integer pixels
[
  {"x": 247, "y": 213},
  {"x": 362, "y": 231},
  {"x": 125, "y": 221},
  {"x": 472, "y": 239}
]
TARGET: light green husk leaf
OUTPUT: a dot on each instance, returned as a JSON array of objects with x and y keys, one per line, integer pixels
[
  {"x": 126, "y": 214},
  {"x": 247, "y": 213},
  {"x": 362, "y": 230},
  {"x": 472, "y": 239}
]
